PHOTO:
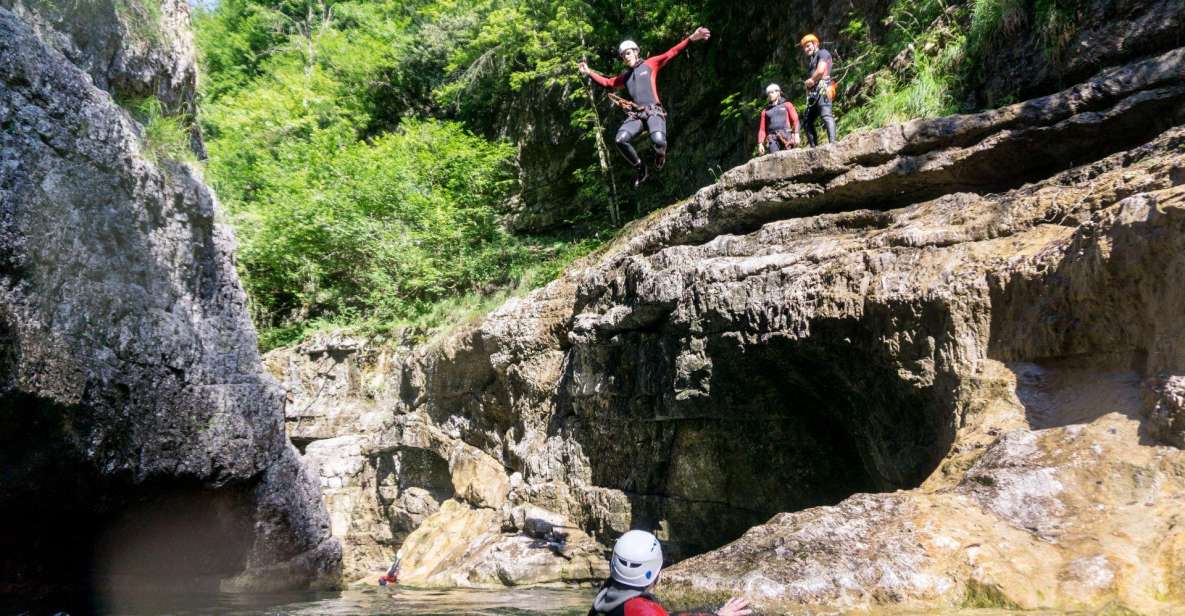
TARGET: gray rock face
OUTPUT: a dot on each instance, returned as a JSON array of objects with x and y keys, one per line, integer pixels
[
  {"x": 1078, "y": 41},
  {"x": 971, "y": 310},
  {"x": 130, "y": 48},
  {"x": 142, "y": 443}
]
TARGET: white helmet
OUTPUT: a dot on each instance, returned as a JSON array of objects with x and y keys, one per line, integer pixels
[
  {"x": 637, "y": 558},
  {"x": 773, "y": 87},
  {"x": 627, "y": 44}
]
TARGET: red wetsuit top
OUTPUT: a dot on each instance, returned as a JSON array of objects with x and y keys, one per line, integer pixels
[
  {"x": 778, "y": 118},
  {"x": 646, "y": 606},
  {"x": 641, "y": 81}
]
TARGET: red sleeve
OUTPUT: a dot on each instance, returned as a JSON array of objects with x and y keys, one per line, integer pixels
[
  {"x": 761, "y": 130},
  {"x": 641, "y": 606},
  {"x": 792, "y": 114},
  {"x": 661, "y": 59},
  {"x": 606, "y": 82}
]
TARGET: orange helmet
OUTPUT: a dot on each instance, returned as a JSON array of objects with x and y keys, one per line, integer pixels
[{"x": 810, "y": 38}]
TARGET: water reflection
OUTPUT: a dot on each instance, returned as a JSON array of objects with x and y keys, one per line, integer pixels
[
  {"x": 380, "y": 601},
  {"x": 403, "y": 601}
]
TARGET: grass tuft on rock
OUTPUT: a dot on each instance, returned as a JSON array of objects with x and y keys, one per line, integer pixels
[
  {"x": 979, "y": 595},
  {"x": 166, "y": 137}
]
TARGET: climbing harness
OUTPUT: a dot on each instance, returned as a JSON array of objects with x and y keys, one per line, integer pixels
[{"x": 634, "y": 110}]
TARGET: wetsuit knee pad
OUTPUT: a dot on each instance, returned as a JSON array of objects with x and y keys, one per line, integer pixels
[
  {"x": 659, "y": 139},
  {"x": 623, "y": 137}
]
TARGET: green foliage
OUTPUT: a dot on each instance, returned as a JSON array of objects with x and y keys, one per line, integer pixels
[
  {"x": 926, "y": 93},
  {"x": 165, "y": 136},
  {"x": 345, "y": 229},
  {"x": 361, "y": 145},
  {"x": 347, "y": 214},
  {"x": 933, "y": 50},
  {"x": 993, "y": 22},
  {"x": 143, "y": 17}
]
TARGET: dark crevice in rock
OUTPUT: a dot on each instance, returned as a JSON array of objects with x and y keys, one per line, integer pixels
[
  {"x": 413, "y": 467},
  {"x": 410, "y": 485},
  {"x": 754, "y": 426},
  {"x": 301, "y": 443},
  {"x": 71, "y": 527}
]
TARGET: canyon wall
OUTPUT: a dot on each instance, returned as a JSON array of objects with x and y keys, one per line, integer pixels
[
  {"x": 143, "y": 446},
  {"x": 923, "y": 366}
]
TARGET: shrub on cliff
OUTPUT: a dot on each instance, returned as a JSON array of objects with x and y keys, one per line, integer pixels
[{"x": 346, "y": 213}]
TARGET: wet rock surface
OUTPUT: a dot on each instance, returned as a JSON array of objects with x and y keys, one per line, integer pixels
[
  {"x": 142, "y": 443},
  {"x": 971, "y": 324}
]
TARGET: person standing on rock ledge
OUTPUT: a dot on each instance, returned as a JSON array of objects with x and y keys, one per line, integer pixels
[
  {"x": 779, "y": 123},
  {"x": 640, "y": 79},
  {"x": 637, "y": 560},
  {"x": 820, "y": 90}
]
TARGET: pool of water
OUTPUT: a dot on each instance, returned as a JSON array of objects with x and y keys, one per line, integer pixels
[
  {"x": 403, "y": 601},
  {"x": 377, "y": 601}
]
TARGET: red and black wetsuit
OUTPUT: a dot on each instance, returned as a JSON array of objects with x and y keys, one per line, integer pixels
[
  {"x": 777, "y": 118},
  {"x": 818, "y": 103},
  {"x": 615, "y": 599},
  {"x": 641, "y": 82},
  {"x": 647, "y": 606}
]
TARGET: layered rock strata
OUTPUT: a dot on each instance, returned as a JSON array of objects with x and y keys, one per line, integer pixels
[
  {"x": 142, "y": 444},
  {"x": 971, "y": 323}
]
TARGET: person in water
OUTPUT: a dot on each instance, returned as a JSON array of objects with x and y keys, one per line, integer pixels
[
  {"x": 392, "y": 575},
  {"x": 779, "y": 123},
  {"x": 640, "y": 80},
  {"x": 634, "y": 572},
  {"x": 820, "y": 90}
]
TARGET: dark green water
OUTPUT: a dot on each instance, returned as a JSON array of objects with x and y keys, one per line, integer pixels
[
  {"x": 525, "y": 602},
  {"x": 379, "y": 601}
]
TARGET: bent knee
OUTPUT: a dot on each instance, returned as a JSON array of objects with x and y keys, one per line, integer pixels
[
  {"x": 659, "y": 138},
  {"x": 622, "y": 138}
]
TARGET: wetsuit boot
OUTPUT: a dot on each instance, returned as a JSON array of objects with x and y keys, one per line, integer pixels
[{"x": 640, "y": 173}]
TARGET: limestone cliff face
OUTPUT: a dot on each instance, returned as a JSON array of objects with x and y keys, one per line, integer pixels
[
  {"x": 142, "y": 444},
  {"x": 927, "y": 365},
  {"x": 129, "y": 48}
]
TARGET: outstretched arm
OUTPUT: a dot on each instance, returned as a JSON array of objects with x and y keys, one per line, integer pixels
[
  {"x": 700, "y": 34},
  {"x": 599, "y": 79}
]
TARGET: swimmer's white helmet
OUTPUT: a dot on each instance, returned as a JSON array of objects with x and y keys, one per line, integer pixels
[
  {"x": 627, "y": 44},
  {"x": 773, "y": 87},
  {"x": 637, "y": 559}
]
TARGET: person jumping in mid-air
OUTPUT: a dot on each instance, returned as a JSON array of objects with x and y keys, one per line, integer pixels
[
  {"x": 819, "y": 89},
  {"x": 640, "y": 79},
  {"x": 779, "y": 123}
]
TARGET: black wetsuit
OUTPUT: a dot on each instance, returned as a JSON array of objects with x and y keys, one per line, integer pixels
[
  {"x": 818, "y": 103},
  {"x": 641, "y": 82},
  {"x": 778, "y": 118}
]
